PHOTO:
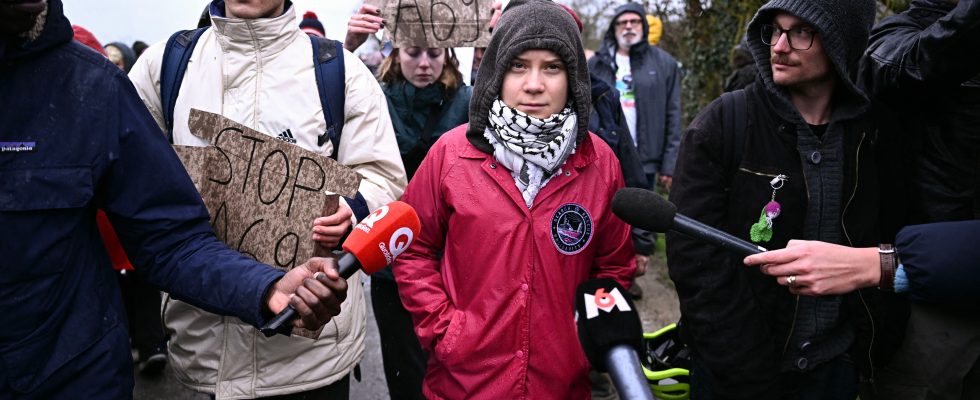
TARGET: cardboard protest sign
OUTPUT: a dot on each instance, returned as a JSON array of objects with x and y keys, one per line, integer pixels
[
  {"x": 262, "y": 193},
  {"x": 437, "y": 23}
]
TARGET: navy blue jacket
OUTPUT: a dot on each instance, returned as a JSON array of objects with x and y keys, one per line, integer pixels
[
  {"x": 75, "y": 138},
  {"x": 942, "y": 262}
]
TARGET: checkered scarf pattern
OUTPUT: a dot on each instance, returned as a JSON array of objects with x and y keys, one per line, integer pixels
[{"x": 533, "y": 149}]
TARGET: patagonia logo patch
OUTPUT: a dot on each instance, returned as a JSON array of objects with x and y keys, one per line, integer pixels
[
  {"x": 17, "y": 147},
  {"x": 571, "y": 228}
]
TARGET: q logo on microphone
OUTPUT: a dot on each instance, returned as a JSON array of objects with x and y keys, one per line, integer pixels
[
  {"x": 372, "y": 218},
  {"x": 400, "y": 240},
  {"x": 605, "y": 302}
]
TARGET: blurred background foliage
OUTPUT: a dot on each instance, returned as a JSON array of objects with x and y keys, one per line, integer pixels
[{"x": 700, "y": 34}]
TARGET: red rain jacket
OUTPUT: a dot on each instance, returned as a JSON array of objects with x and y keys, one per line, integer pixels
[{"x": 491, "y": 284}]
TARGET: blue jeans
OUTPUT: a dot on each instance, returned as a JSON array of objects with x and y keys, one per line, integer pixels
[{"x": 833, "y": 380}]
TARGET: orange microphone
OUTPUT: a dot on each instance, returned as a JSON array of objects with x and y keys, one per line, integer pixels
[{"x": 373, "y": 244}]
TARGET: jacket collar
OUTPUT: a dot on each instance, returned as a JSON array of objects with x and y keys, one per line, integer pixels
[{"x": 267, "y": 35}]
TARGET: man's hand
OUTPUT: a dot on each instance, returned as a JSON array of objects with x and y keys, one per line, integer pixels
[
  {"x": 366, "y": 22},
  {"x": 314, "y": 289},
  {"x": 666, "y": 180},
  {"x": 641, "y": 264},
  {"x": 328, "y": 230},
  {"x": 820, "y": 268}
]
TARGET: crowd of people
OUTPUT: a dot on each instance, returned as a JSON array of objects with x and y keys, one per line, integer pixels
[{"x": 851, "y": 147}]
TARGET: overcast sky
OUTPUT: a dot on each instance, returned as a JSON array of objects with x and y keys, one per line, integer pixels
[
  {"x": 152, "y": 20},
  {"x": 155, "y": 20}
]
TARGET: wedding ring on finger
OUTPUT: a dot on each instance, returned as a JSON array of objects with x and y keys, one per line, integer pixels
[{"x": 791, "y": 280}]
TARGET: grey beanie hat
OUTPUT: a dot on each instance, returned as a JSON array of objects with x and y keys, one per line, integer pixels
[
  {"x": 843, "y": 26},
  {"x": 530, "y": 25}
]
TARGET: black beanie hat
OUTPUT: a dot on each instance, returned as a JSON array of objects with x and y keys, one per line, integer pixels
[
  {"x": 843, "y": 26},
  {"x": 530, "y": 25},
  {"x": 311, "y": 25}
]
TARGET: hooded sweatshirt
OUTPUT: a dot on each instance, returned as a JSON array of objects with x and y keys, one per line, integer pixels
[{"x": 511, "y": 39}]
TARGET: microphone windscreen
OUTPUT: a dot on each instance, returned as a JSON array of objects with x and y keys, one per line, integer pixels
[
  {"x": 606, "y": 317},
  {"x": 644, "y": 209},
  {"x": 381, "y": 236}
]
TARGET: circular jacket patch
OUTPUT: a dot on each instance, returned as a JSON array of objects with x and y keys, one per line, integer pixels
[{"x": 571, "y": 228}]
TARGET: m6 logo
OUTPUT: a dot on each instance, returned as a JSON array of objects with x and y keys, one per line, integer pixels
[{"x": 605, "y": 302}]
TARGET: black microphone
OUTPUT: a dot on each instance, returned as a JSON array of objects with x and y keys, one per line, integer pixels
[
  {"x": 648, "y": 210},
  {"x": 611, "y": 335}
]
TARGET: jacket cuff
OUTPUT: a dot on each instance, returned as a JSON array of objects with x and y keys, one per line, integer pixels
[{"x": 358, "y": 205}]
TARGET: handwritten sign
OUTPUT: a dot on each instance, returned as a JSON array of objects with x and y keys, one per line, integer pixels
[{"x": 438, "y": 23}]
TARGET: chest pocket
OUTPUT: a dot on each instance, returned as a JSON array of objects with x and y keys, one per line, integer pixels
[
  {"x": 45, "y": 189},
  {"x": 41, "y": 211}
]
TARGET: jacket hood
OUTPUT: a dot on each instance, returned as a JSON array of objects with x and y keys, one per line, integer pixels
[
  {"x": 56, "y": 31},
  {"x": 609, "y": 43},
  {"x": 518, "y": 30},
  {"x": 128, "y": 55},
  {"x": 842, "y": 25}
]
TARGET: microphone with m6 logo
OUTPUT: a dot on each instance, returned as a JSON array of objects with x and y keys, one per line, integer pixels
[
  {"x": 372, "y": 245},
  {"x": 611, "y": 335}
]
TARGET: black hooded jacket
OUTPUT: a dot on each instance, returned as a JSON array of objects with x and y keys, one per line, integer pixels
[
  {"x": 743, "y": 326},
  {"x": 922, "y": 70}
]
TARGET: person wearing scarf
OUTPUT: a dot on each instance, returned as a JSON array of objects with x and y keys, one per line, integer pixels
[{"x": 515, "y": 211}]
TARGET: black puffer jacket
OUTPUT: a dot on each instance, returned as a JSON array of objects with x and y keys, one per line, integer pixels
[{"x": 922, "y": 69}]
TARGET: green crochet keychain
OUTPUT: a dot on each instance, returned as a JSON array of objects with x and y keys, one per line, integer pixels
[{"x": 762, "y": 231}]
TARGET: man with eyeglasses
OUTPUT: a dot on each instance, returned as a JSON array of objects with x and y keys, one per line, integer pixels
[{"x": 789, "y": 158}]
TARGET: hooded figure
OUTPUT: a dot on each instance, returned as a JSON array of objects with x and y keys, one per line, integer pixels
[
  {"x": 121, "y": 55},
  {"x": 649, "y": 82},
  {"x": 517, "y": 211},
  {"x": 799, "y": 171}
]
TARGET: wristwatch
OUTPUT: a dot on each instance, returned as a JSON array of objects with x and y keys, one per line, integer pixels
[{"x": 888, "y": 264}]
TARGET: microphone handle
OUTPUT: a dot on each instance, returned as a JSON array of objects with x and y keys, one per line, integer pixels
[
  {"x": 623, "y": 365},
  {"x": 714, "y": 236},
  {"x": 347, "y": 265}
]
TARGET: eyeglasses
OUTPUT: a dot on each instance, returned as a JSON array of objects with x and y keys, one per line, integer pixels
[
  {"x": 634, "y": 22},
  {"x": 799, "y": 38}
]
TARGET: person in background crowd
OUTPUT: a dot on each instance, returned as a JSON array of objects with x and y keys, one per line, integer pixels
[
  {"x": 74, "y": 138},
  {"x": 139, "y": 47},
  {"x": 800, "y": 171},
  {"x": 312, "y": 26},
  {"x": 426, "y": 97},
  {"x": 649, "y": 82},
  {"x": 254, "y": 66},
  {"x": 516, "y": 211},
  {"x": 84, "y": 36},
  {"x": 121, "y": 55},
  {"x": 656, "y": 29},
  {"x": 744, "y": 70}
]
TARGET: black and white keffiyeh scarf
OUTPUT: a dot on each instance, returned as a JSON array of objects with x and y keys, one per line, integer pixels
[{"x": 533, "y": 149}]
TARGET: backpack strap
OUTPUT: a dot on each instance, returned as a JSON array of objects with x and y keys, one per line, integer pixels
[
  {"x": 176, "y": 55},
  {"x": 328, "y": 62},
  {"x": 735, "y": 110}
]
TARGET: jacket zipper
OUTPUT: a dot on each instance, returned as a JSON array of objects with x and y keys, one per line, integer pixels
[
  {"x": 871, "y": 364},
  {"x": 857, "y": 169},
  {"x": 792, "y": 326},
  {"x": 757, "y": 172},
  {"x": 857, "y": 166}
]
